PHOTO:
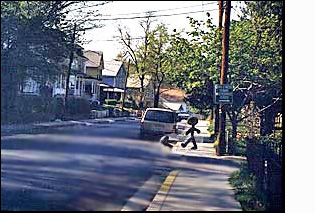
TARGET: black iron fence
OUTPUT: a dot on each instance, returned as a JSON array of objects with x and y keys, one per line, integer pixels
[{"x": 265, "y": 162}]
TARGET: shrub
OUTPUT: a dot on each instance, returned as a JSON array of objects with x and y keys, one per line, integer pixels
[
  {"x": 29, "y": 109},
  {"x": 77, "y": 105},
  {"x": 244, "y": 184},
  {"x": 57, "y": 106}
]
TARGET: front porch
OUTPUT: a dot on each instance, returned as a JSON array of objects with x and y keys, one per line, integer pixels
[{"x": 109, "y": 92}]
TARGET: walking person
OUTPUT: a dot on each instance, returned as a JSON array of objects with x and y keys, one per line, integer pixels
[{"x": 191, "y": 121}]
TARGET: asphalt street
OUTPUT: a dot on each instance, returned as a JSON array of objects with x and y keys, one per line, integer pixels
[{"x": 95, "y": 167}]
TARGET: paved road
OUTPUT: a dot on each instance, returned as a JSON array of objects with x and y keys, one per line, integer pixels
[{"x": 95, "y": 167}]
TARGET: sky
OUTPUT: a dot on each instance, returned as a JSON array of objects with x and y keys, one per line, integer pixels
[{"x": 102, "y": 39}]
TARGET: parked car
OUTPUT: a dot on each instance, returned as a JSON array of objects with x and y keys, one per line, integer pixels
[{"x": 158, "y": 121}]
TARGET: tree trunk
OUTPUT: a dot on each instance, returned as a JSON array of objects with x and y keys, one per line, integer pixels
[
  {"x": 156, "y": 99},
  {"x": 141, "y": 103},
  {"x": 69, "y": 71},
  {"x": 125, "y": 87},
  {"x": 267, "y": 122}
]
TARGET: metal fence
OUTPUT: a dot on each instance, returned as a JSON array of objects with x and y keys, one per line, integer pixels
[{"x": 265, "y": 162}]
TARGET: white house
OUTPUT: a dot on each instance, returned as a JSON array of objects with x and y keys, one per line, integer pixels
[{"x": 58, "y": 86}]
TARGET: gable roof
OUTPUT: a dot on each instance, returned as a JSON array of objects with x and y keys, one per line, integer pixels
[
  {"x": 173, "y": 95},
  {"x": 173, "y": 106},
  {"x": 111, "y": 68},
  {"x": 95, "y": 58}
]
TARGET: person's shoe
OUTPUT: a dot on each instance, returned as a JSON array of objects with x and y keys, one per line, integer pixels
[
  {"x": 183, "y": 145},
  {"x": 194, "y": 148}
]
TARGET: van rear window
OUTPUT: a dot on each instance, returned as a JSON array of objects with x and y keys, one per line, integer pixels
[{"x": 159, "y": 116}]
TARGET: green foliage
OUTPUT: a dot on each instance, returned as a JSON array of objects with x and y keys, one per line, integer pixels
[
  {"x": 255, "y": 59},
  {"x": 77, "y": 105},
  {"x": 57, "y": 106},
  {"x": 28, "y": 109},
  {"x": 244, "y": 184},
  {"x": 35, "y": 43}
]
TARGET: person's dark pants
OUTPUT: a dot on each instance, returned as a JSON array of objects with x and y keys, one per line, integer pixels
[{"x": 190, "y": 139}]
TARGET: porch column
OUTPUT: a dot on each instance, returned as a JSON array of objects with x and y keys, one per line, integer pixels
[{"x": 75, "y": 85}]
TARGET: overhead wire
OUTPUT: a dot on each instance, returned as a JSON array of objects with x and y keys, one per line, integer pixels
[
  {"x": 155, "y": 16},
  {"x": 146, "y": 16},
  {"x": 176, "y": 8}
]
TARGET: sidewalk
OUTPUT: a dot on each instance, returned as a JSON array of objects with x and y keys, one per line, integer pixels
[
  {"x": 16, "y": 128},
  {"x": 202, "y": 125},
  {"x": 200, "y": 183},
  {"x": 200, "y": 180}
]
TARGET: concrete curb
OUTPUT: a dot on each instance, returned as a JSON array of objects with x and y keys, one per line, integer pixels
[
  {"x": 142, "y": 198},
  {"x": 160, "y": 197}
]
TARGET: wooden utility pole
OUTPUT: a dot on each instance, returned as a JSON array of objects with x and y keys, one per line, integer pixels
[
  {"x": 125, "y": 88},
  {"x": 216, "y": 125},
  {"x": 223, "y": 79}
]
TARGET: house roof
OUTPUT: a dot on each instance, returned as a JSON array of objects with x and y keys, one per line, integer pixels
[
  {"x": 173, "y": 106},
  {"x": 111, "y": 68},
  {"x": 95, "y": 58},
  {"x": 173, "y": 95},
  {"x": 134, "y": 81}
]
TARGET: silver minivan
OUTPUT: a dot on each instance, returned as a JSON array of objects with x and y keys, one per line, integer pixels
[{"x": 158, "y": 121}]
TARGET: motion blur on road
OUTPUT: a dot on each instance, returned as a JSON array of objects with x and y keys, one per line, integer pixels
[{"x": 97, "y": 167}]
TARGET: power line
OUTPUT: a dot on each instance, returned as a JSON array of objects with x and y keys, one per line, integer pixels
[
  {"x": 165, "y": 9},
  {"x": 138, "y": 17}
]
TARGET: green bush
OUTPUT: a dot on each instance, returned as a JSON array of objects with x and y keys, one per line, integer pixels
[
  {"x": 244, "y": 184},
  {"x": 29, "y": 109},
  {"x": 77, "y": 105},
  {"x": 57, "y": 106}
]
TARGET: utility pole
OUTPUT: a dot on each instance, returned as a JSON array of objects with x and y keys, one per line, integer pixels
[
  {"x": 223, "y": 79},
  {"x": 221, "y": 9},
  {"x": 69, "y": 68},
  {"x": 124, "y": 94}
]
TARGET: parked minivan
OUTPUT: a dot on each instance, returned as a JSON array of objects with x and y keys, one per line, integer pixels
[{"x": 158, "y": 121}]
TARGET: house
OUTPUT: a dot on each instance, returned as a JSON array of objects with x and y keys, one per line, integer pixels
[
  {"x": 113, "y": 80},
  {"x": 30, "y": 87},
  {"x": 174, "y": 99},
  {"x": 76, "y": 79},
  {"x": 134, "y": 88},
  {"x": 94, "y": 67},
  {"x": 57, "y": 86}
]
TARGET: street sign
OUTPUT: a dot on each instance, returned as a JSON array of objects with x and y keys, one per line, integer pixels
[{"x": 223, "y": 94}]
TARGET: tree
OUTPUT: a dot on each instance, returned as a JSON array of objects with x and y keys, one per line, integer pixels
[
  {"x": 192, "y": 63},
  {"x": 255, "y": 60},
  {"x": 158, "y": 39},
  {"x": 35, "y": 42},
  {"x": 139, "y": 54},
  {"x": 30, "y": 47}
]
